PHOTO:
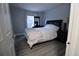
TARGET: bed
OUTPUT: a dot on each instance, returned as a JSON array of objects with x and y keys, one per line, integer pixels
[{"x": 42, "y": 34}]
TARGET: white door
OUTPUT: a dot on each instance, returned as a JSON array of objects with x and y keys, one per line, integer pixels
[
  {"x": 72, "y": 46},
  {"x": 6, "y": 35},
  {"x": 30, "y": 21}
]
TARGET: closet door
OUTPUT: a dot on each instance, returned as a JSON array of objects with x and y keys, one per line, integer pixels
[{"x": 6, "y": 40}]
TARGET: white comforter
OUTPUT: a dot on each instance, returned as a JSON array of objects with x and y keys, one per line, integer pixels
[{"x": 37, "y": 35}]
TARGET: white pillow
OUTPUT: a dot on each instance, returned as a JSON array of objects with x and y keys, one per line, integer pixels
[{"x": 51, "y": 26}]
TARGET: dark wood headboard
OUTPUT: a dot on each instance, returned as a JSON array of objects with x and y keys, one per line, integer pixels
[{"x": 55, "y": 22}]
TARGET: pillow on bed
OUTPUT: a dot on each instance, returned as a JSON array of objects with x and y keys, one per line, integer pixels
[{"x": 51, "y": 26}]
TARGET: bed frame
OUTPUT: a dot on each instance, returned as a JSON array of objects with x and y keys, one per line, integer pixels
[{"x": 55, "y": 22}]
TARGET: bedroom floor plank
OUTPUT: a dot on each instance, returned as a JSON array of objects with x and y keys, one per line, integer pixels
[{"x": 50, "y": 48}]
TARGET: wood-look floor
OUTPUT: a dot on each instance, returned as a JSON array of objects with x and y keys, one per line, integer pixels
[{"x": 50, "y": 48}]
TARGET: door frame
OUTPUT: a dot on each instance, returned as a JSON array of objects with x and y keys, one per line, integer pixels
[
  {"x": 73, "y": 35},
  {"x": 6, "y": 32},
  {"x": 73, "y": 30}
]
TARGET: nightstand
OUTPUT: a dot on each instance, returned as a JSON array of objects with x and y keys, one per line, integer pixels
[{"x": 62, "y": 35}]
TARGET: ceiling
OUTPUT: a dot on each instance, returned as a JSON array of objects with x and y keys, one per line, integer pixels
[{"x": 36, "y": 7}]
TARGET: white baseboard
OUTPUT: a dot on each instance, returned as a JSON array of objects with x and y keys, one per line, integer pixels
[{"x": 18, "y": 34}]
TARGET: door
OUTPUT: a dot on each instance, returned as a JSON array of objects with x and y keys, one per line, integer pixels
[
  {"x": 72, "y": 46},
  {"x": 30, "y": 21},
  {"x": 6, "y": 35}
]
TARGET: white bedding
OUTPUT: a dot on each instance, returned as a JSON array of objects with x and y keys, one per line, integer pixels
[{"x": 37, "y": 35}]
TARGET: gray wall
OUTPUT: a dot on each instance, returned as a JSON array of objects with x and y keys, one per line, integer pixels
[
  {"x": 61, "y": 12},
  {"x": 42, "y": 19},
  {"x": 18, "y": 20},
  {"x": 18, "y": 17}
]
